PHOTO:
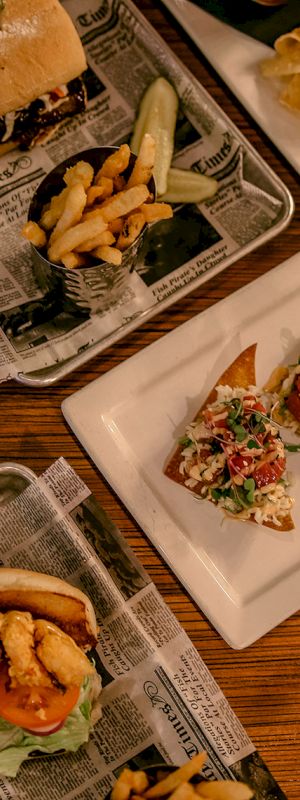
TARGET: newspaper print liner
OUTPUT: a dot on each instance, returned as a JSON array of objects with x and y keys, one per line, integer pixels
[
  {"x": 251, "y": 207},
  {"x": 175, "y": 728}
]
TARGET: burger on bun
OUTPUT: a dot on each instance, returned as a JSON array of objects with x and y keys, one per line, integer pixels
[
  {"x": 41, "y": 59},
  {"x": 49, "y": 688}
]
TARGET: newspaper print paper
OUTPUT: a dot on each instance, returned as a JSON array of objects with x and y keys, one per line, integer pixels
[
  {"x": 125, "y": 55},
  {"x": 160, "y": 703}
]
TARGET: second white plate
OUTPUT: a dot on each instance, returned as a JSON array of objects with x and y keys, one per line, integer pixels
[
  {"x": 236, "y": 57},
  {"x": 245, "y": 578}
]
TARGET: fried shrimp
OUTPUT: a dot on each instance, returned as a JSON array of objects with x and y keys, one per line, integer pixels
[
  {"x": 17, "y": 636},
  {"x": 60, "y": 655}
]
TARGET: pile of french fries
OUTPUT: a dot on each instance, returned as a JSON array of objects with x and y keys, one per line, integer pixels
[
  {"x": 98, "y": 216},
  {"x": 285, "y": 65},
  {"x": 176, "y": 786}
]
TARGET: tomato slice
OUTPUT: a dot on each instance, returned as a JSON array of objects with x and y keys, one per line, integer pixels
[
  {"x": 20, "y": 705},
  {"x": 270, "y": 472}
]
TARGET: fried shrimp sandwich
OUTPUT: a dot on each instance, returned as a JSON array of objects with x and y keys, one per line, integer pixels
[{"x": 49, "y": 688}]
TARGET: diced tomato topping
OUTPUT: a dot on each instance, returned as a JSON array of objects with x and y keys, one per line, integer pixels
[
  {"x": 293, "y": 404},
  {"x": 239, "y": 464},
  {"x": 297, "y": 383},
  {"x": 259, "y": 407},
  {"x": 269, "y": 472},
  {"x": 255, "y": 407}
]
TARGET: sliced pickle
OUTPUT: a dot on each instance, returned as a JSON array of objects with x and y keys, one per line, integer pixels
[
  {"x": 186, "y": 186},
  {"x": 157, "y": 116}
]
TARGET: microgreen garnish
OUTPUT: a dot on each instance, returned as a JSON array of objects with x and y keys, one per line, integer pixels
[
  {"x": 184, "y": 441},
  {"x": 253, "y": 444},
  {"x": 292, "y": 448},
  {"x": 236, "y": 408},
  {"x": 239, "y": 430},
  {"x": 249, "y": 486}
]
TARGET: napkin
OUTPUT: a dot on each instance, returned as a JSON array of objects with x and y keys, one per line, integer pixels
[{"x": 261, "y": 22}]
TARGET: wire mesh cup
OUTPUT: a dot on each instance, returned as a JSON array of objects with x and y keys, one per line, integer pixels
[{"x": 84, "y": 289}]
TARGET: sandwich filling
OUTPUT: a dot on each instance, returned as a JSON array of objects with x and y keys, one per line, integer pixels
[
  {"x": 47, "y": 688},
  {"x": 233, "y": 455},
  {"x": 37, "y": 120}
]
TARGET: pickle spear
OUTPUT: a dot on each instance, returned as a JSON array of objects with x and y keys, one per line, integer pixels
[
  {"x": 157, "y": 116},
  {"x": 186, "y": 186}
]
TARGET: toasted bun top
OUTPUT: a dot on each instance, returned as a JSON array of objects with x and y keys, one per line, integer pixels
[
  {"x": 52, "y": 599},
  {"x": 39, "y": 50}
]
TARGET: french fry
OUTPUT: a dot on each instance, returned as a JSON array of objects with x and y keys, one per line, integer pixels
[
  {"x": 224, "y": 790},
  {"x": 32, "y": 231},
  {"x": 116, "y": 225},
  {"x": 181, "y": 775},
  {"x": 122, "y": 788},
  {"x": 136, "y": 797},
  {"x": 119, "y": 183},
  {"x": 74, "y": 236},
  {"x": 106, "y": 184},
  {"x": 93, "y": 192},
  {"x": 140, "y": 781},
  {"x": 93, "y": 213},
  {"x": 74, "y": 205},
  {"x": 115, "y": 163},
  {"x": 81, "y": 172},
  {"x": 155, "y": 211},
  {"x": 183, "y": 792},
  {"x": 132, "y": 227},
  {"x": 71, "y": 260},
  {"x": 144, "y": 164},
  {"x": 51, "y": 214},
  {"x": 124, "y": 202},
  {"x": 106, "y": 237},
  {"x": 110, "y": 254}
]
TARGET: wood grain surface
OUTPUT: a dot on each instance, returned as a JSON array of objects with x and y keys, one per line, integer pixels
[{"x": 262, "y": 682}]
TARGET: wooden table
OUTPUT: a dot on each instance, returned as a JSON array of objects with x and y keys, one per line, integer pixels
[{"x": 262, "y": 682}]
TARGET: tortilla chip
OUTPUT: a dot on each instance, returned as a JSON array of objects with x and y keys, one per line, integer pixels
[
  {"x": 291, "y": 95},
  {"x": 240, "y": 373}
]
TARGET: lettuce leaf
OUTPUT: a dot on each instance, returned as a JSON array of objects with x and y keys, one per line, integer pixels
[{"x": 16, "y": 745}]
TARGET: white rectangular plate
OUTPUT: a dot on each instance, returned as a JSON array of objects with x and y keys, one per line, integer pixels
[
  {"x": 245, "y": 578},
  {"x": 236, "y": 57}
]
